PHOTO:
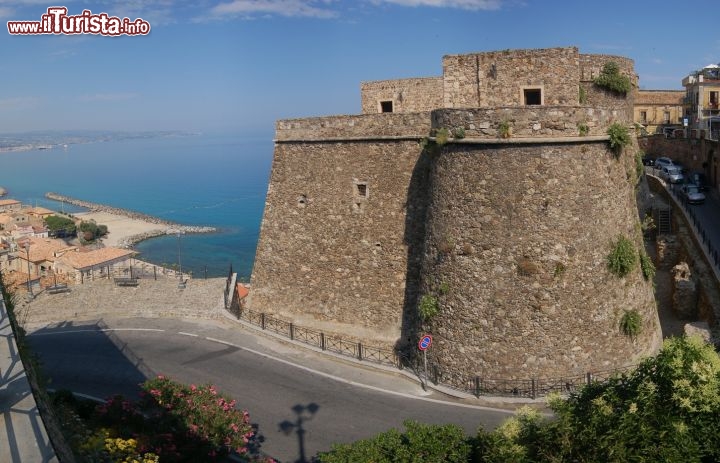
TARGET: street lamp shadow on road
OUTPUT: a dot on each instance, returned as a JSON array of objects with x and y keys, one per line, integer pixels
[{"x": 302, "y": 414}]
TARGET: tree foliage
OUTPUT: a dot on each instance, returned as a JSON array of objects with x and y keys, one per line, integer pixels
[
  {"x": 666, "y": 410},
  {"x": 60, "y": 227},
  {"x": 420, "y": 443},
  {"x": 92, "y": 231}
]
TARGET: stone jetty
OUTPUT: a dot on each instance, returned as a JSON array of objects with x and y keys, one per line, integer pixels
[{"x": 165, "y": 227}]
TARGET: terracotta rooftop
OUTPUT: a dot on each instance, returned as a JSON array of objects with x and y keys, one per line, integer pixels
[
  {"x": 241, "y": 290},
  {"x": 41, "y": 211},
  {"x": 8, "y": 202},
  {"x": 84, "y": 259},
  {"x": 42, "y": 249}
]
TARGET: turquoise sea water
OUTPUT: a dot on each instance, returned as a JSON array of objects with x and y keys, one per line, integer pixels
[{"x": 213, "y": 180}]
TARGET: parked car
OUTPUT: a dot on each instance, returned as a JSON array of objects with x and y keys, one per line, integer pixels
[
  {"x": 662, "y": 162},
  {"x": 672, "y": 174},
  {"x": 648, "y": 160},
  {"x": 692, "y": 194},
  {"x": 698, "y": 179}
]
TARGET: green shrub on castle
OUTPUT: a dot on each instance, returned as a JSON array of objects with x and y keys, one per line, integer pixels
[
  {"x": 611, "y": 79},
  {"x": 622, "y": 258},
  {"x": 631, "y": 323},
  {"x": 428, "y": 307},
  {"x": 442, "y": 136},
  {"x": 647, "y": 266},
  {"x": 619, "y": 137}
]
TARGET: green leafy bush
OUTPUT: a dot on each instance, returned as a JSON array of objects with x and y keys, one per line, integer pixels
[
  {"x": 582, "y": 95},
  {"x": 619, "y": 137},
  {"x": 420, "y": 443},
  {"x": 611, "y": 79},
  {"x": 583, "y": 129},
  {"x": 647, "y": 266},
  {"x": 631, "y": 323},
  {"x": 458, "y": 132},
  {"x": 428, "y": 307},
  {"x": 665, "y": 410},
  {"x": 444, "y": 288},
  {"x": 442, "y": 136},
  {"x": 504, "y": 129},
  {"x": 639, "y": 167},
  {"x": 622, "y": 258}
]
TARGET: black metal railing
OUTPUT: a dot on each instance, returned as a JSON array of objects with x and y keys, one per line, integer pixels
[{"x": 474, "y": 385}]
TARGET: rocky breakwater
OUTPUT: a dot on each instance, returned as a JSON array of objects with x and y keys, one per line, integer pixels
[{"x": 165, "y": 227}]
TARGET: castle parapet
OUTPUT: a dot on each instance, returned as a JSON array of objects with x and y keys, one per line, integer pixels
[
  {"x": 528, "y": 122},
  {"x": 359, "y": 127}
]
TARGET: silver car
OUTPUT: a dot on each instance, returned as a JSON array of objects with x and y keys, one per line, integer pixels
[
  {"x": 692, "y": 194},
  {"x": 672, "y": 174}
]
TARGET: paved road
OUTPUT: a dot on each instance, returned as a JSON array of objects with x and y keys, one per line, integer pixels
[{"x": 273, "y": 381}]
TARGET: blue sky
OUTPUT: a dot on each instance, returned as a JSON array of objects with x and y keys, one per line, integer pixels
[{"x": 239, "y": 65}]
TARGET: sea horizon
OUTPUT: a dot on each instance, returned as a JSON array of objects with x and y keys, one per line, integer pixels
[{"x": 212, "y": 179}]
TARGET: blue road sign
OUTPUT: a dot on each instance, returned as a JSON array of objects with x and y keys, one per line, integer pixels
[{"x": 425, "y": 342}]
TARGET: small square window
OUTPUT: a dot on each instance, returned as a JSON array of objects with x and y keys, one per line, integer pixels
[
  {"x": 362, "y": 190},
  {"x": 533, "y": 96},
  {"x": 386, "y": 106}
]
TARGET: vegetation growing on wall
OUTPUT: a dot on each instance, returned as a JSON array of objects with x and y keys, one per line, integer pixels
[
  {"x": 631, "y": 323},
  {"x": 428, "y": 307},
  {"x": 583, "y": 129},
  {"x": 611, "y": 79},
  {"x": 647, "y": 266},
  {"x": 623, "y": 257},
  {"x": 458, "y": 132},
  {"x": 582, "y": 95},
  {"x": 639, "y": 167},
  {"x": 442, "y": 136},
  {"x": 504, "y": 130},
  {"x": 619, "y": 137}
]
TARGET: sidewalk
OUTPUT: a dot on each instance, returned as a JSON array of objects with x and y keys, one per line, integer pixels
[{"x": 22, "y": 432}]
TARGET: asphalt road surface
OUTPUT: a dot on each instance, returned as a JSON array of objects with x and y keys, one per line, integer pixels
[{"x": 301, "y": 401}]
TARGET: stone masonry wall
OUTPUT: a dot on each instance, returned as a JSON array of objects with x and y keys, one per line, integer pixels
[
  {"x": 353, "y": 127},
  {"x": 407, "y": 95},
  {"x": 590, "y": 68},
  {"x": 516, "y": 253},
  {"x": 527, "y": 122},
  {"x": 498, "y": 78},
  {"x": 329, "y": 257}
]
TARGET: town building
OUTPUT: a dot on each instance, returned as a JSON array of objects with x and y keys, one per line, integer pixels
[
  {"x": 702, "y": 102},
  {"x": 659, "y": 111}
]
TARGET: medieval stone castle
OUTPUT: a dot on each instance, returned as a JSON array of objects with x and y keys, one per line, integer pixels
[{"x": 505, "y": 218}]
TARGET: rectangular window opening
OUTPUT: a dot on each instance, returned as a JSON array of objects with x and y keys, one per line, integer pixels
[
  {"x": 386, "y": 106},
  {"x": 643, "y": 117},
  {"x": 533, "y": 96},
  {"x": 362, "y": 189}
]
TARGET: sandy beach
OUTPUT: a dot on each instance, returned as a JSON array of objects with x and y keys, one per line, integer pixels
[{"x": 123, "y": 230}]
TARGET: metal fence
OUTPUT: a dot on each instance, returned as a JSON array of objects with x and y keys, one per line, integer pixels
[
  {"x": 475, "y": 385},
  {"x": 702, "y": 234}
]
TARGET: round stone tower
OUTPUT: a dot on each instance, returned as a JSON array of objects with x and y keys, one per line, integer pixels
[{"x": 518, "y": 236}]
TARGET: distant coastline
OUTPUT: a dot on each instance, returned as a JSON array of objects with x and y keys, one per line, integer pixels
[
  {"x": 33, "y": 141},
  {"x": 165, "y": 227}
]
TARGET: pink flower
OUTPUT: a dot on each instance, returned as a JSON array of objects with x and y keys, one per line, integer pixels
[
  {"x": 234, "y": 427},
  {"x": 193, "y": 387}
]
